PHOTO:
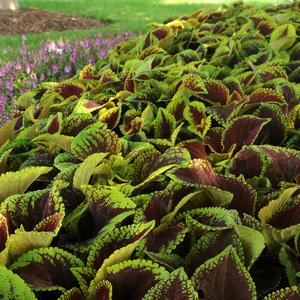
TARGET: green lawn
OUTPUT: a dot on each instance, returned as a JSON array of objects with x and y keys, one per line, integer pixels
[{"x": 135, "y": 15}]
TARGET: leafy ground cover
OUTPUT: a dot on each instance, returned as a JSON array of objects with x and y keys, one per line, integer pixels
[{"x": 169, "y": 169}]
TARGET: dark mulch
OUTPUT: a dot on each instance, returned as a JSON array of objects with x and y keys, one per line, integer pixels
[{"x": 31, "y": 20}]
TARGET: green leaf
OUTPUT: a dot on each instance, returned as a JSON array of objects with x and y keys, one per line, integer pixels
[
  {"x": 177, "y": 287},
  {"x": 86, "y": 169},
  {"x": 283, "y": 37},
  {"x": 55, "y": 140},
  {"x": 12, "y": 183},
  {"x": 12, "y": 287},
  {"x": 253, "y": 243}
]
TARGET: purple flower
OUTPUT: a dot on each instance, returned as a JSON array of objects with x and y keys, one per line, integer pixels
[{"x": 68, "y": 69}]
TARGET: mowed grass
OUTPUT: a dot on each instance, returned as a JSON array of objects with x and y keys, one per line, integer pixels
[{"x": 134, "y": 15}]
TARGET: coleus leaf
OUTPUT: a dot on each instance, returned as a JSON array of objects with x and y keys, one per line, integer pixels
[
  {"x": 54, "y": 124},
  {"x": 177, "y": 105},
  {"x": 213, "y": 139},
  {"x": 132, "y": 123},
  {"x": 203, "y": 197},
  {"x": 164, "y": 124},
  {"x": 280, "y": 218},
  {"x": 159, "y": 203},
  {"x": 151, "y": 163},
  {"x": 65, "y": 160},
  {"x": 195, "y": 114},
  {"x": 53, "y": 141},
  {"x": 262, "y": 95},
  {"x": 293, "y": 119},
  {"x": 227, "y": 271},
  {"x": 283, "y": 37},
  {"x": 13, "y": 287},
  {"x": 37, "y": 223},
  {"x": 200, "y": 172},
  {"x": 209, "y": 245},
  {"x": 68, "y": 89},
  {"x": 252, "y": 241},
  {"x": 208, "y": 218},
  {"x": 267, "y": 72},
  {"x": 110, "y": 116},
  {"x": 217, "y": 92},
  {"x": 195, "y": 148},
  {"x": 47, "y": 268},
  {"x": 177, "y": 286},
  {"x": 93, "y": 140},
  {"x": 30, "y": 209},
  {"x": 119, "y": 237},
  {"x": 120, "y": 255},
  {"x": 284, "y": 163},
  {"x": 133, "y": 278},
  {"x": 17, "y": 182},
  {"x": 86, "y": 169},
  {"x": 4, "y": 239},
  {"x": 104, "y": 204},
  {"x": 103, "y": 290},
  {"x": 225, "y": 113},
  {"x": 194, "y": 83},
  {"x": 249, "y": 162},
  {"x": 289, "y": 259},
  {"x": 242, "y": 131},
  {"x": 167, "y": 240},
  {"x": 276, "y": 163},
  {"x": 75, "y": 123},
  {"x": 7, "y": 131},
  {"x": 72, "y": 294},
  {"x": 275, "y": 131},
  {"x": 289, "y": 293}
]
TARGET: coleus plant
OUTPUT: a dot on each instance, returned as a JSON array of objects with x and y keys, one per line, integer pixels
[{"x": 169, "y": 169}]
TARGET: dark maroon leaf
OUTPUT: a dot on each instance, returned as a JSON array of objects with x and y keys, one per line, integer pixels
[
  {"x": 46, "y": 267},
  {"x": 224, "y": 270},
  {"x": 195, "y": 148},
  {"x": 242, "y": 131},
  {"x": 132, "y": 279},
  {"x": 200, "y": 172},
  {"x": 248, "y": 162},
  {"x": 213, "y": 139},
  {"x": 67, "y": 90},
  {"x": 217, "y": 92}
]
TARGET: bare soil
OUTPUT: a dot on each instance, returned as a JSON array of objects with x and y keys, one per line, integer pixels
[{"x": 32, "y": 20}]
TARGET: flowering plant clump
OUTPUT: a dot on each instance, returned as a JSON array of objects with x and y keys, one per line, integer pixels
[
  {"x": 53, "y": 61},
  {"x": 170, "y": 169}
]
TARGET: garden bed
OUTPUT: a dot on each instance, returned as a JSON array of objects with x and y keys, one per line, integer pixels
[
  {"x": 32, "y": 20},
  {"x": 171, "y": 166}
]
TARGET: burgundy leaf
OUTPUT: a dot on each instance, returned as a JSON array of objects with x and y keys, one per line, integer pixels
[
  {"x": 248, "y": 162},
  {"x": 201, "y": 172},
  {"x": 213, "y": 139},
  {"x": 195, "y": 148},
  {"x": 217, "y": 92},
  {"x": 67, "y": 90},
  {"x": 226, "y": 271},
  {"x": 3, "y": 233},
  {"x": 266, "y": 95},
  {"x": 242, "y": 131}
]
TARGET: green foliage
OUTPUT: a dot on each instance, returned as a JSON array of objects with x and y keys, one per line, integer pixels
[{"x": 173, "y": 173}]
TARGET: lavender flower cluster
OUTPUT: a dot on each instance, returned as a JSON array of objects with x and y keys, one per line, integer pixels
[{"x": 53, "y": 61}]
